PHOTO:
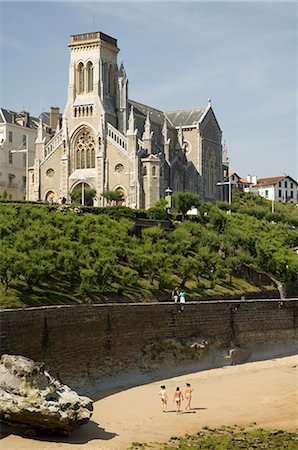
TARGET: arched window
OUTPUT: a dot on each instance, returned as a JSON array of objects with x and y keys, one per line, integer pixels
[
  {"x": 80, "y": 78},
  {"x": 176, "y": 183},
  {"x": 85, "y": 150},
  {"x": 210, "y": 172},
  {"x": 154, "y": 171},
  {"x": 144, "y": 171},
  {"x": 105, "y": 89},
  {"x": 89, "y": 77},
  {"x": 121, "y": 201},
  {"x": 111, "y": 80},
  {"x": 83, "y": 161},
  {"x": 78, "y": 158},
  {"x": 88, "y": 158}
]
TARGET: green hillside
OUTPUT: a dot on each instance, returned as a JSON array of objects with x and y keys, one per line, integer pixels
[{"x": 65, "y": 255}]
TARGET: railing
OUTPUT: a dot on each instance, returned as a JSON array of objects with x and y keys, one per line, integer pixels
[
  {"x": 53, "y": 144},
  {"x": 3, "y": 183},
  {"x": 117, "y": 139},
  {"x": 92, "y": 36},
  {"x": 84, "y": 37},
  {"x": 13, "y": 185}
]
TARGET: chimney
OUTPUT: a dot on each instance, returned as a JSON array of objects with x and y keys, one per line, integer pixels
[
  {"x": 26, "y": 119},
  {"x": 54, "y": 117}
]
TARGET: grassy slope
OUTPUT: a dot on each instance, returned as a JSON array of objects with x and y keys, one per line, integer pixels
[{"x": 18, "y": 296}]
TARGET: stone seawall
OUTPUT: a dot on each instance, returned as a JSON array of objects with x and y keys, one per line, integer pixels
[{"x": 85, "y": 343}]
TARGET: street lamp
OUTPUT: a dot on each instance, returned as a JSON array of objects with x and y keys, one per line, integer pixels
[
  {"x": 24, "y": 150},
  {"x": 168, "y": 198},
  {"x": 230, "y": 190}
]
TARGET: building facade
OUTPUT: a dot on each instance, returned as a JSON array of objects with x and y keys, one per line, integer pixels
[
  {"x": 279, "y": 189},
  {"x": 110, "y": 143},
  {"x": 18, "y": 132}
]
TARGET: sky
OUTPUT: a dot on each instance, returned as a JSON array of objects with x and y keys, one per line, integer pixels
[{"x": 241, "y": 54}]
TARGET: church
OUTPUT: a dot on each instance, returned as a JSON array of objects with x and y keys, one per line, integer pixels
[{"x": 107, "y": 142}]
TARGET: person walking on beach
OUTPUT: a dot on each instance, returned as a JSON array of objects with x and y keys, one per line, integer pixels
[
  {"x": 187, "y": 394},
  {"x": 182, "y": 300},
  {"x": 175, "y": 295},
  {"x": 163, "y": 398},
  {"x": 177, "y": 398}
]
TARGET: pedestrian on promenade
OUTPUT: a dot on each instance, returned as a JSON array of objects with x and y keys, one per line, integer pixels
[
  {"x": 175, "y": 295},
  {"x": 182, "y": 300}
]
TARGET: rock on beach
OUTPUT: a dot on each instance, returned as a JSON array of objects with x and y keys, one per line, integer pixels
[{"x": 31, "y": 397}]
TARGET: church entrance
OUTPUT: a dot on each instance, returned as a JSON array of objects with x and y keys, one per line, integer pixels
[{"x": 83, "y": 194}]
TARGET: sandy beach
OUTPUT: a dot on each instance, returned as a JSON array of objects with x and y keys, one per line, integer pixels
[{"x": 264, "y": 392}]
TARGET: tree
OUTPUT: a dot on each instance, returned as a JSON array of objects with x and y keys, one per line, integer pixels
[
  {"x": 7, "y": 265},
  {"x": 158, "y": 211},
  {"x": 184, "y": 201},
  {"x": 112, "y": 196}
]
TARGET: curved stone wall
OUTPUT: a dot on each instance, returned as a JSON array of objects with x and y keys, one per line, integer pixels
[{"x": 82, "y": 344}]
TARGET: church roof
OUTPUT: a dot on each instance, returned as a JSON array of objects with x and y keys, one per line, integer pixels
[
  {"x": 185, "y": 117},
  {"x": 178, "y": 118},
  {"x": 155, "y": 115}
]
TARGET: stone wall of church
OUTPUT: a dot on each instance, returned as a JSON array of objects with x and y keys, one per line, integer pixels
[
  {"x": 50, "y": 173},
  {"x": 118, "y": 169},
  {"x": 82, "y": 344}
]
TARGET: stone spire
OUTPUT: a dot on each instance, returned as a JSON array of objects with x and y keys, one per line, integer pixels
[
  {"x": 40, "y": 132},
  {"x": 147, "y": 129},
  {"x": 180, "y": 137},
  {"x": 122, "y": 99},
  {"x": 225, "y": 157},
  {"x": 166, "y": 140},
  {"x": 147, "y": 135},
  {"x": 131, "y": 122}
]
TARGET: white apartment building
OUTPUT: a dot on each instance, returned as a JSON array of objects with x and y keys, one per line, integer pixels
[
  {"x": 18, "y": 132},
  {"x": 278, "y": 189}
]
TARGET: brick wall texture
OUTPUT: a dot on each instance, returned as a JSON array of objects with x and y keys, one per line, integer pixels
[{"x": 85, "y": 343}]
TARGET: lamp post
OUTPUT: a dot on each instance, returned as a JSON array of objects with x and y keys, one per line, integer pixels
[
  {"x": 26, "y": 151},
  {"x": 168, "y": 198},
  {"x": 222, "y": 183}
]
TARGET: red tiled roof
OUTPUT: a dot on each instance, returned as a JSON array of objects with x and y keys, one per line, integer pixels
[
  {"x": 272, "y": 180},
  {"x": 244, "y": 181}
]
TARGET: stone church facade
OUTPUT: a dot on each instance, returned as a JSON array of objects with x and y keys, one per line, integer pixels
[{"x": 107, "y": 142}]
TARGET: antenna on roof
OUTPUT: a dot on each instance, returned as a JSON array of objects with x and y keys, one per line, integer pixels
[{"x": 209, "y": 101}]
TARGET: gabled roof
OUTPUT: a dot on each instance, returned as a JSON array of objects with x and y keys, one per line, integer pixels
[
  {"x": 156, "y": 116},
  {"x": 234, "y": 174},
  {"x": 273, "y": 180},
  {"x": 185, "y": 117}
]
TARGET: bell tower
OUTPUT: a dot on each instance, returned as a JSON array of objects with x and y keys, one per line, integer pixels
[{"x": 92, "y": 77}]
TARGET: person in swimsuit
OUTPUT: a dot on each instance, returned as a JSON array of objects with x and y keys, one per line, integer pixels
[
  {"x": 188, "y": 392},
  {"x": 163, "y": 398},
  {"x": 177, "y": 398}
]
